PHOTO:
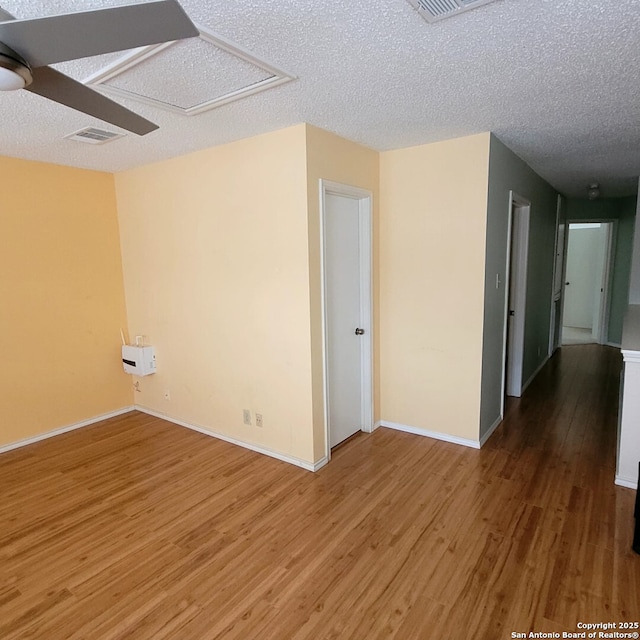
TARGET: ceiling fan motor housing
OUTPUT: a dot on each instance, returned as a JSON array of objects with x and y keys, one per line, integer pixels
[
  {"x": 70, "y": 36},
  {"x": 13, "y": 62}
]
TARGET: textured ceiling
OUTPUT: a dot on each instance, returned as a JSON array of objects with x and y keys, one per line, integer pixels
[
  {"x": 184, "y": 92},
  {"x": 557, "y": 81}
]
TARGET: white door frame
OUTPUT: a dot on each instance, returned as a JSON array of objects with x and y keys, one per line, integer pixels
[
  {"x": 556, "y": 295},
  {"x": 365, "y": 199},
  {"x": 607, "y": 278},
  {"x": 607, "y": 275},
  {"x": 512, "y": 378}
]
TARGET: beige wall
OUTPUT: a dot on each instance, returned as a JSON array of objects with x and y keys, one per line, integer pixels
[
  {"x": 221, "y": 259},
  {"x": 333, "y": 158},
  {"x": 216, "y": 266},
  {"x": 433, "y": 203},
  {"x": 62, "y": 299}
]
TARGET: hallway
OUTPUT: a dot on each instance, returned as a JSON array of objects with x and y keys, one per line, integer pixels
[{"x": 558, "y": 443}]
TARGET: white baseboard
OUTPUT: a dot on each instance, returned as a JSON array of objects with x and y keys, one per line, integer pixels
[
  {"x": 489, "y": 433},
  {"x": 630, "y": 483},
  {"x": 318, "y": 465},
  {"x": 61, "y": 430},
  {"x": 533, "y": 375},
  {"x": 436, "y": 435},
  {"x": 298, "y": 462}
]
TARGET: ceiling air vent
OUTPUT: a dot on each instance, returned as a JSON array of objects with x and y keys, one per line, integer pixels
[
  {"x": 435, "y": 10},
  {"x": 91, "y": 135}
]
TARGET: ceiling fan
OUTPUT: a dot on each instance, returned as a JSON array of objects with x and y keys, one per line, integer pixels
[{"x": 28, "y": 46}]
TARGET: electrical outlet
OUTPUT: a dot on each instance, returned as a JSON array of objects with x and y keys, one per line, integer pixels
[
  {"x": 246, "y": 416},
  {"x": 258, "y": 419},
  {"x": 167, "y": 394}
]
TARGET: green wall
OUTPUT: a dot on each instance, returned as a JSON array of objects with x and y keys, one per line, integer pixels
[
  {"x": 508, "y": 172},
  {"x": 624, "y": 211}
]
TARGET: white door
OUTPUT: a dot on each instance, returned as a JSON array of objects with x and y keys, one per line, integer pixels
[
  {"x": 347, "y": 315},
  {"x": 516, "y": 295},
  {"x": 555, "y": 333}
]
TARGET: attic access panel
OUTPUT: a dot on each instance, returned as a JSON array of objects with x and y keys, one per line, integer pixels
[
  {"x": 435, "y": 10},
  {"x": 188, "y": 76}
]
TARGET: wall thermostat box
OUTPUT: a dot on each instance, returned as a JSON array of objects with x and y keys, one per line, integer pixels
[{"x": 139, "y": 361}]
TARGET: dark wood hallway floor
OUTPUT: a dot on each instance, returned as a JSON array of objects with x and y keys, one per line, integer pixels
[{"x": 136, "y": 528}]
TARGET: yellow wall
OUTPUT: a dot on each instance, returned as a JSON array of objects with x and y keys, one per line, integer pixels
[
  {"x": 333, "y": 158},
  {"x": 431, "y": 262},
  {"x": 61, "y": 299},
  {"x": 221, "y": 259},
  {"x": 216, "y": 268}
]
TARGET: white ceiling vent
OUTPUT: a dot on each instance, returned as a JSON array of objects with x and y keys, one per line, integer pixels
[
  {"x": 91, "y": 135},
  {"x": 435, "y": 10}
]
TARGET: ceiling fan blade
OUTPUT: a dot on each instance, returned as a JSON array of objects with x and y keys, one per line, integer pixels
[
  {"x": 56, "y": 86},
  {"x": 44, "y": 41},
  {"x": 5, "y": 15}
]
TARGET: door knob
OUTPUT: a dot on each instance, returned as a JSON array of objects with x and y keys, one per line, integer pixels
[
  {"x": 567, "y": 283},
  {"x": 359, "y": 332}
]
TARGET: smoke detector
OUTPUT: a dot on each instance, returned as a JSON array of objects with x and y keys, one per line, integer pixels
[
  {"x": 593, "y": 191},
  {"x": 435, "y": 10}
]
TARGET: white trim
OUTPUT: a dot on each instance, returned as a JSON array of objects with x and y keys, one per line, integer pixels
[
  {"x": 629, "y": 355},
  {"x": 436, "y": 435},
  {"x": 607, "y": 281},
  {"x": 489, "y": 433},
  {"x": 318, "y": 465},
  {"x": 513, "y": 377},
  {"x": 323, "y": 325},
  {"x": 505, "y": 320},
  {"x": 365, "y": 212},
  {"x": 556, "y": 295},
  {"x": 535, "y": 373},
  {"x": 298, "y": 462},
  {"x": 608, "y": 273},
  {"x": 625, "y": 482},
  {"x": 138, "y": 55},
  {"x": 564, "y": 274},
  {"x": 61, "y": 430},
  {"x": 346, "y": 190},
  {"x": 519, "y": 327}
]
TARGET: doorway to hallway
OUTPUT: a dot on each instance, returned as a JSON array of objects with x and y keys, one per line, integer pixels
[{"x": 585, "y": 318}]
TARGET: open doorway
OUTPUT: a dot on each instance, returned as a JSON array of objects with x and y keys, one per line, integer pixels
[{"x": 585, "y": 318}]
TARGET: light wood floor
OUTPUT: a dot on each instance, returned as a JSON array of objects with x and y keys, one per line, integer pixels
[{"x": 136, "y": 528}]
